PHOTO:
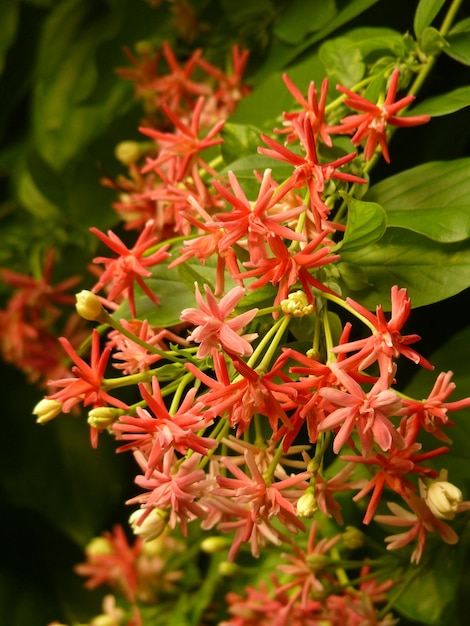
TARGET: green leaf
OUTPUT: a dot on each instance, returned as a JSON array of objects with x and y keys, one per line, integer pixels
[
  {"x": 432, "y": 41},
  {"x": 439, "y": 210},
  {"x": 9, "y": 17},
  {"x": 430, "y": 598},
  {"x": 431, "y": 272},
  {"x": 77, "y": 94},
  {"x": 343, "y": 61},
  {"x": 426, "y": 11},
  {"x": 244, "y": 168},
  {"x": 283, "y": 54},
  {"x": 447, "y": 225},
  {"x": 459, "y": 42},
  {"x": 444, "y": 104},
  {"x": 240, "y": 140},
  {"x": 366, "y": 224},
  {"x": 299, "y": 19}
]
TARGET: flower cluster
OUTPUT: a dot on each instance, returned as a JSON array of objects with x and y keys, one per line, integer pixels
[{"x": 233, "y": 427}]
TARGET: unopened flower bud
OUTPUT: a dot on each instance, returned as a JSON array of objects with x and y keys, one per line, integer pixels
[
  {"x": 296, "y": 304},
  {"x": 98, "y": 546},
  {"x": 212, "y": 545},
  {"x": 105, "y": 620},
  {"x": 353, "y": 538},
  {"x": 89, "y": 307},
  {"x": 317, "y": 562},
  {"x": 228, "y": 569},
  {"x": 313, "y": 354},
  {"x": 307, "y": 505},
  {"x": 443, "y": 499},
  {"x": 45, "y": 410},
  {"x": 127, "y": 152},
  {"x": 152, "y": 526},
  {"x": 103, "y": 416}
]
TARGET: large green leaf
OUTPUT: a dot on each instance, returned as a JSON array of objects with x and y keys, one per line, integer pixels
[
  {"x": 444, "y": 104},
  {"x": 282, "y": 54},
  {"x": 300, "y": 19},
  {"x": 430, "y": 271},
  {"x": 431, "y": 199}
]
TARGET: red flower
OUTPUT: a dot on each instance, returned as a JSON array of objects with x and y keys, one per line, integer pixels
[
  {"x": 130, "y": 266},
  {"x": 252, "y": 220},
  {"x": 286, "y": 268},
  {"x": 387, "y": 343},
  {"x": 183, "y": 147},
  {"x": 155, "y": 432},
  {"x": 372, "y": 124},
  {"x": 87, "y": 385},
  {"x": 307, "y": 170},
  {"x": 314, "y": 110}
]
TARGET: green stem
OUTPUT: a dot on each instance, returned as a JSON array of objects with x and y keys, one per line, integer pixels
[
  {"x": 444, "y": 29},
  {"x": 176, "y": 399},
  {"x": 269, "y": 473},
  {"x": 168, "y": 355},
  {"x": 276, "y": 331}
]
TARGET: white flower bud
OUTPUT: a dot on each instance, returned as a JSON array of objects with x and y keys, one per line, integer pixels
[
  {"x": 307, "y": 505},
  {"x": 152, "y": 526},
  {"x": 443, "y": 499},
  {"x": 89, "y": 307},
  {"x": 46, "y": 410}
]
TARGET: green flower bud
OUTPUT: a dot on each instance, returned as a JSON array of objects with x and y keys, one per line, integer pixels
[
  {"x": 103, "y": 416},
  {"x": 353, "y": 538}
]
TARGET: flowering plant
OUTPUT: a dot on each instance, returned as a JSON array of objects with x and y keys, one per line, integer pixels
[{"x": 247, "y": 334}]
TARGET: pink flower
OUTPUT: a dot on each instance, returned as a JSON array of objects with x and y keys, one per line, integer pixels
[
  {"x": 111, "y": 560},
  {"x": 249, "y": 394},
  {"x": 256, "y": 502},
  {"x": 367, "y": 413},
  {"x": 420, "y": 521},
  {"x": 174, "y": 487},
  {"x": 372, "y": 124},
  {"x": 431, "y": 414},
  {"x": 214, "y": 327},
  {"x": 131, "y": 265}
]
